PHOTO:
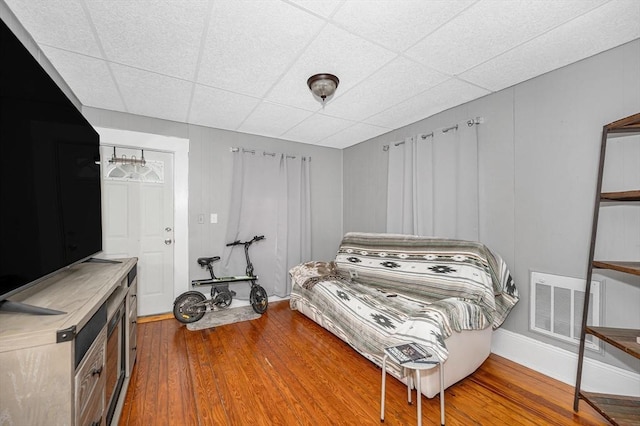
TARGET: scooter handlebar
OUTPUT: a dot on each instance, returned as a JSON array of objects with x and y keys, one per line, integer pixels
[{"x": 238, "y": 242}]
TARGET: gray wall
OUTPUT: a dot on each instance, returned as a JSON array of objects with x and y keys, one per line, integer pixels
[
  {"x": 210, "y": 174},
  {"x": 538, "y": 154}
]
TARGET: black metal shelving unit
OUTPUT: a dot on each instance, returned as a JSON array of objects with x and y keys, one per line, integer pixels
[{"x": 617, "y": 409}]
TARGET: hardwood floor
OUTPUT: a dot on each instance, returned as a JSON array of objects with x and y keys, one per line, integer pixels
[{"x": 284, "y": 369}]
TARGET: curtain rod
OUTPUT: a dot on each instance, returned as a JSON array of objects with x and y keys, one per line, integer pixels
[
  {"x": 271, "y": 154},
  {"x": 470, "y": 122},
  {"x": 423, "y": 136}
]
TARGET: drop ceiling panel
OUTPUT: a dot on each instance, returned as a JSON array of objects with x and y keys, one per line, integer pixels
[
  {"x": 59, "y": 23},
  {"x": 151, "y": 94},
  {"x": 451, "y": 93},
  {"x": 397, "y": 81},
  {"x": 350, "y": 135},
  {"x": 603, "y": 28},
  {"x": 334, "y": 51},
  {"x": 247, "y": 52},
  {"x": 273, "y": 120},
  {"x": 89, "y": 77},
  {"x": 397, "y": 27},
  {"x": 316, "y": 128},
  {"x": 161, "y": 36},
  {"x": 484, "y": 31},
  {"x": 323, "y": 8},
  {"x": 219, "y": 108}
]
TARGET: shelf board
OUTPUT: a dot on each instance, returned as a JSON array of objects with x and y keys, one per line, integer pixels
[
  {"x": 618, "y": 409},
  {"x": 621, "y": 196},
  {"x": 622, "y": 338},
  {"x": 628, "y": 123},
  {"x": 627, "y": 267}
]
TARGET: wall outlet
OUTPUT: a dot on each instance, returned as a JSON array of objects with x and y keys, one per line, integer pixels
[
  {"x": 214, "y": 218},
  {"x": 201, "y": 219}
]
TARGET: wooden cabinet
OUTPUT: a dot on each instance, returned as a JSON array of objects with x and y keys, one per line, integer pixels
[
  {"x": 53, "y": 368},
  {"x": 132, "y": 325},
  {"x": 616, "y": 409}
]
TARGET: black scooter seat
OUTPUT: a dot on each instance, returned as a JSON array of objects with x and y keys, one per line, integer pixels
[{"x": 204, "y": 261}]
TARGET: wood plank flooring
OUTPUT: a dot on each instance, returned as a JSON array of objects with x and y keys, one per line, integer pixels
[{"x": 283, "y": 369}]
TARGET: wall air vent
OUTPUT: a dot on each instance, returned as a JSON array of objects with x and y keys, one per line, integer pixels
[{"x": 556, "y": 307}]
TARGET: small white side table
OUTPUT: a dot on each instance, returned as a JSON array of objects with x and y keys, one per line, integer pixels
[{"x": 417, "y": 367}]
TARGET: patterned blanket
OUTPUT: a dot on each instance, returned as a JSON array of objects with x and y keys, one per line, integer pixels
[{"x": 385, "y": 289}]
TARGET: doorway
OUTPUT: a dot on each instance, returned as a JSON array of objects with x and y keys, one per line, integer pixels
[
  {"x": 177, "y": 149},
  {"x": 137, "y": 200}
]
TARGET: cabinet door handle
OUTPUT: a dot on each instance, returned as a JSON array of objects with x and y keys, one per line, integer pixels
[{"x": 97, "y": 371}]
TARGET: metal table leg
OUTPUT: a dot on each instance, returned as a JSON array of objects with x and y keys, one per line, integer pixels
[
  {"x": 384, "y": 376},
  {"x": 441, "y": 367},
  {"x": 419, "y": 397},
  {"x": 409, "y": 380}
]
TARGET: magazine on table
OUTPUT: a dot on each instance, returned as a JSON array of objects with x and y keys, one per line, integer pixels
[{"x": 408, "y": 352}]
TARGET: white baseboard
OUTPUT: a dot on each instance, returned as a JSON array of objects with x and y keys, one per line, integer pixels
[{"x": 562, "y": 365}]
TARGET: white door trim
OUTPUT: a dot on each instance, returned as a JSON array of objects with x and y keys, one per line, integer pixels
[{"x": 180, "y": 149}]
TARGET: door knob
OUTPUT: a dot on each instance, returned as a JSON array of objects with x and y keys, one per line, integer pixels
[
  {"x": 168, "y": 229},
  {"x": 168, "y": 241}
]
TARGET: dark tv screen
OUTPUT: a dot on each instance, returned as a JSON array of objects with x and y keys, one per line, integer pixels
[{"x": 49, "y": 174}]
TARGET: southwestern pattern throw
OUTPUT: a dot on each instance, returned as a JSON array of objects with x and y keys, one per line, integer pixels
[
  {"x": 405, "y": 288},
  {"x": 308, "y": 274}
]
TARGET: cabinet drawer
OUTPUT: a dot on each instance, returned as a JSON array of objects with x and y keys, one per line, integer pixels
[
  {"x": 132, "y": 326},
  {"x": 93, "y": 415},
  {"x": 90, "y": 379},
  {"x": 133, "y": 348},
  {"x": 133, "y": 301},
  {"x": 133, "y": 338},
  {"x": 133, "y": 314}
]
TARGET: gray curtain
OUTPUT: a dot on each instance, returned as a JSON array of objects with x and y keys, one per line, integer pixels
[
  {"x": 432, "y": 185},
  {"x": 269, "y": 196}
]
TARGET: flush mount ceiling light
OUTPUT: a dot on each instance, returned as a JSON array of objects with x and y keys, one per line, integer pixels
[{"x": 323, "y": 86}]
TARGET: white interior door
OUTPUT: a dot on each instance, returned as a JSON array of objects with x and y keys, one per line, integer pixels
[{"x": 138, "y": 222}]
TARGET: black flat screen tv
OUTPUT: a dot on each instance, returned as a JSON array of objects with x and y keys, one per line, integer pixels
[{"x": 49, "y": 174}]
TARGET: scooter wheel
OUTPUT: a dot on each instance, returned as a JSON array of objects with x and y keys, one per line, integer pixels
[
  {"x": 189, "y": 307},
  {"x": 258, "y": 298}
]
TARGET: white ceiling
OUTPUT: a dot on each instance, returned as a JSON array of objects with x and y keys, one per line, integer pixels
[{"x": 243, "y": 64}]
